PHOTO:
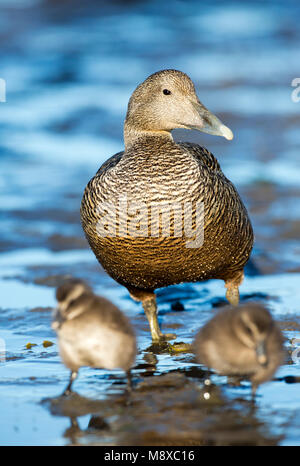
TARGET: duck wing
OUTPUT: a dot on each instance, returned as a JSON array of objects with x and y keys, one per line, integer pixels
[
  {"x": 203, "y": 156},
  {"x": 110, "y": 163}
]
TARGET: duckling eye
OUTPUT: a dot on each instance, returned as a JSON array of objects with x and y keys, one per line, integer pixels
[{"x": 166, "y": 92}]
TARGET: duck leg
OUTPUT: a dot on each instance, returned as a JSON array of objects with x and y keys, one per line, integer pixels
[
  {"x": 232, "y": 292},
  {"x": 150, "y": 309},
  {"x": 68, "y": 390},
  {"x": 148, "y": 300},
  {"x": 233, "y": 295},
  {"x": 253, "y": 392},
  {"x": 129, "y": 381}
]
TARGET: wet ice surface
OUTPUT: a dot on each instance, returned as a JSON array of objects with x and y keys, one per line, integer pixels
[{"x": 69, "y": 75}]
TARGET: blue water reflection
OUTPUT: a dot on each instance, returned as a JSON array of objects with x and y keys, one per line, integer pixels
[{"x": 70, "y": 68}]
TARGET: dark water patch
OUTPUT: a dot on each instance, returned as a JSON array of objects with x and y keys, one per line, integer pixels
[{"x": 177, "y": 306}]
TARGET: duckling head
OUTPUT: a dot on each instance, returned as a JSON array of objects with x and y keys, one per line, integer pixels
[
  {"x": 252, "y": 327},
  {"x": 66, "y": 295},
  {"x": 167, "y": 100}
]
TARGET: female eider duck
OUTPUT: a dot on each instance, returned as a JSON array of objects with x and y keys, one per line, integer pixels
[
  {"x": 91, "y": 331},
  {"x": 160, "y": 212}
]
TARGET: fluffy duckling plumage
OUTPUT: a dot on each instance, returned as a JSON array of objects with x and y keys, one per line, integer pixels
[
  {"x": 156, "y": 174},
  {"x": 91, "y": 331},
  {"x": 243, "y": 341}
]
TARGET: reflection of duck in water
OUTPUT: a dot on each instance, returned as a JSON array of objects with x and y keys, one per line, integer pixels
[
  {"x": 191, "y": 418},
  {"x": 96, "y": 425},
  {"x": 158, "y": 177},
  {"x": 241, "y": 341},
  {"x": 91, "y": 331}
]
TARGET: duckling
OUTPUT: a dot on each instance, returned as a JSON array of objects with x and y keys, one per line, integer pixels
[
  {"x": 161, "y": 213},
  {"x": 91, "y": 331},
  {"x": 241, "y": 341}
]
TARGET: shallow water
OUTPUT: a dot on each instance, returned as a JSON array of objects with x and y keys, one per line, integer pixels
[{"x": 69, "y": 73}]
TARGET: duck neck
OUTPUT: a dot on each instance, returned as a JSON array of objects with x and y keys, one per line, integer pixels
[{"x": 132, "y": 135}]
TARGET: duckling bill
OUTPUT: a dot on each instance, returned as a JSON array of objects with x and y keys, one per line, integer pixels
[
  {"x": 167, "y": 176},
  {"x": 91, "y": 331},
  {"x": 242, "y": 341}
]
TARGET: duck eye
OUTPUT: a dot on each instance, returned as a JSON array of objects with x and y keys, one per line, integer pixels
[
  {"x": 166, "y": 92},
  {"x": 248, "y": 330}
]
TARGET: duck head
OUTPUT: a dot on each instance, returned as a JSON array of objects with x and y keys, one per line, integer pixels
[
  {"x": 167, "y": 100},
  {"x": 67, "y": 296},
  {"x": 252, "y": 326}
]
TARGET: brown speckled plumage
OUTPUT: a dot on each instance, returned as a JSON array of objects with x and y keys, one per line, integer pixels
[{"x": 157, "y": 171}]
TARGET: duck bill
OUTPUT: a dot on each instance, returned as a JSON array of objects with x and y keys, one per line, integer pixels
[
  {"x": 209, "y": 123},
  {"x": 261, "y": 354},
  {"x": 56, "y": 319}
]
